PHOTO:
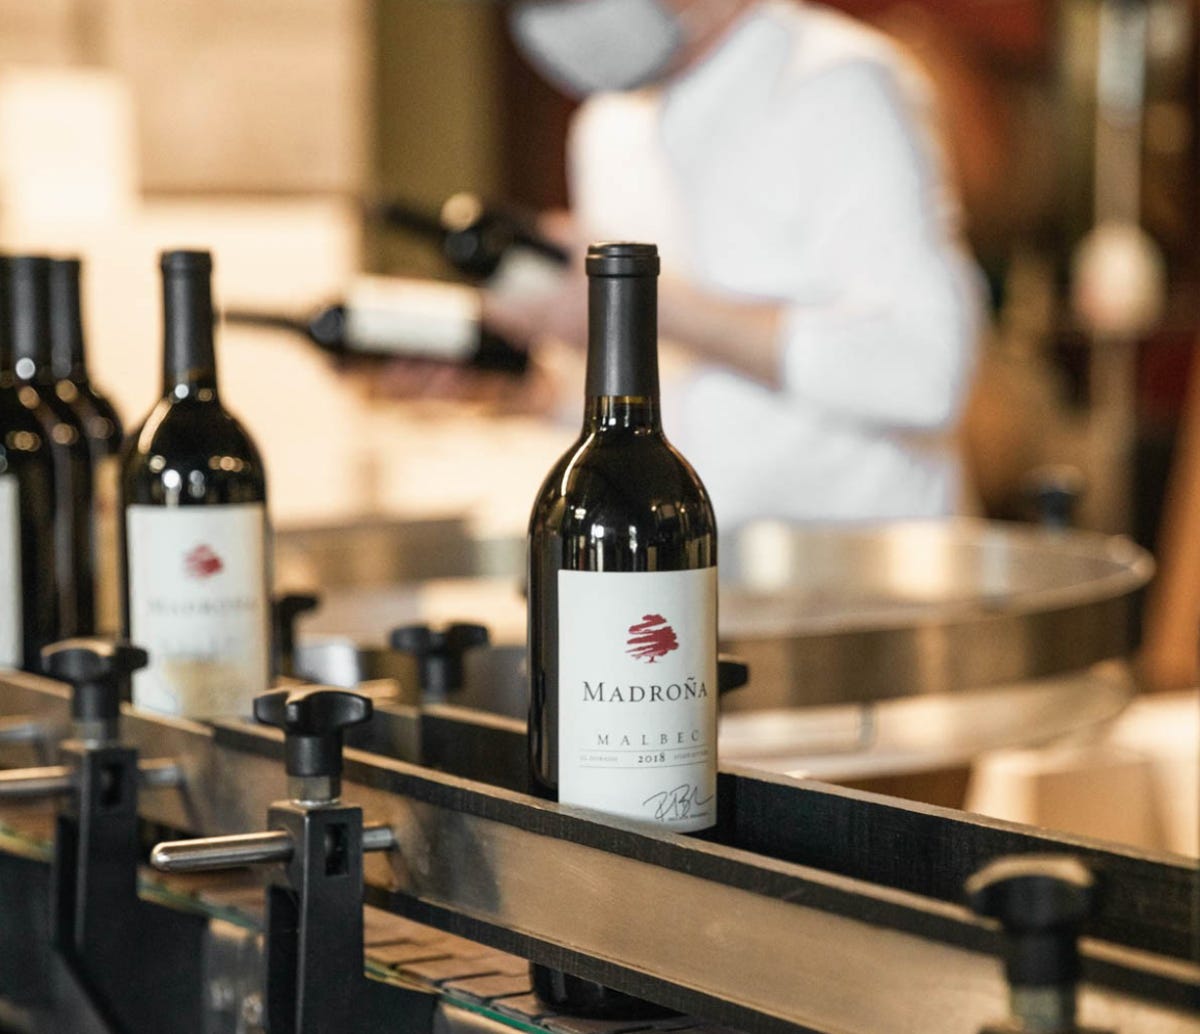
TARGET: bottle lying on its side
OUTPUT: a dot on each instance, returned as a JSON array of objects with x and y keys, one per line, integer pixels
[
  {"x": 397, "y": 317},
  {"x": 500, "y": 246}
]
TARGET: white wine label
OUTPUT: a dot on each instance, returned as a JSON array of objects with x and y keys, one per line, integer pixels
[
  {"x": 637, "y": 695},
  {"x": 525, "y": 276},
  {"x": 420, "y": 318},
  {"x": 198, "y": 604},
  {"x": 105, "y": 503},
  {"x": 11, "y": 618}
]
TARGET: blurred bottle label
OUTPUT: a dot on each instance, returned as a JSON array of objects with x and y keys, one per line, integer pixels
[
  {"x": 105, "y": 503},
  {"x": 638, "y": 695},
  {"x": 198, "y": 603},
  {"x": 406, "y": 317},
  {"x": 11, "y": 627},
  {"x": 526, "y": 276}
]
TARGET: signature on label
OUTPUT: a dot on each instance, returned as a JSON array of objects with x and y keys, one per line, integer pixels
[{"x": 677, "y": 803}]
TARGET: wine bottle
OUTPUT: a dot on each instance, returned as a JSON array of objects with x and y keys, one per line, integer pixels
[
  {"x": 500, "y": 247},
  {"x": 102, "y": 432},
  {"x": 28, "y": 589},
  {"x": 29, "y": 302},
  {"x": 194, "y": 524},
  {"x": 393, "y": 317},
  {"x": 622, "y": 600}
]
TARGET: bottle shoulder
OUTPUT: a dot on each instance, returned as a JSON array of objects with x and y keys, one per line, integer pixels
[
  {"x": 100, "y": 421},
  {"x": 194, "y": 442},
  {"x": 15, "y": 413},
  {"x": 55, "y": 419},
  {"x": 87, "y": 400},
  {"x": 49, "y": 398},
  {"x": 623, "y": 483},
  {"x": 25, "y": 441},
  {"x": 193, "y": 425}
]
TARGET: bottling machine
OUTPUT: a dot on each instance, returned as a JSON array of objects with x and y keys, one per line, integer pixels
[{"x": 158, "y": 874}]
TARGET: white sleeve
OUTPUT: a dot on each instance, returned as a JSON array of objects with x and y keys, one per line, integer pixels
[{"x": 889, "y": 334}]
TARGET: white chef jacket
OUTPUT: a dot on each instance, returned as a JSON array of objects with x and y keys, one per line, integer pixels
[{"x": 796, "y": 164}]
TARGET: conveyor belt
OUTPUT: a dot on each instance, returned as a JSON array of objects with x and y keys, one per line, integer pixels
[
  {"x": 804, "y": 896},
  {"x": 468, "y": 975}
]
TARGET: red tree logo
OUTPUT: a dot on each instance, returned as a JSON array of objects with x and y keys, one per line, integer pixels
[
  {"x": 202, "y": 562},
  {"x": 651, "y": 638}
]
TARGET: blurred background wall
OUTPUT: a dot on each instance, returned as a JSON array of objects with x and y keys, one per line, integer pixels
[{"x": 256, "y": 127}]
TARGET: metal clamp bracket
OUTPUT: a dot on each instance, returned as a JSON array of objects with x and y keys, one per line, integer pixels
[
  {"x": 1041, "y": 902},
  {"x": 314, "y": 941},
  {"x": 138, "y": 962}
]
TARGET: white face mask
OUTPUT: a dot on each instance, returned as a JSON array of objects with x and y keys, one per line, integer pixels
[{"x": 586, "y": 46}]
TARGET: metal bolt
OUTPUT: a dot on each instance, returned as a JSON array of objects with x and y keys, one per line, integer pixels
[{"x": 314, "y": 790}]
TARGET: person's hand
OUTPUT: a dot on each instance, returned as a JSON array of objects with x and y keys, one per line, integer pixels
[
  {"x": 499, "y": 394},
  {"x": 525, "y": 320},
  {"x": 560, "y": 313},
  {"x": 425, "y": 379}
]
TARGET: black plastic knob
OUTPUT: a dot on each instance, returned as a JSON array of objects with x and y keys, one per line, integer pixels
[
  {"x": 284, "y": 612},
  {"x": 1041, "y": 902},
  {"x": 439, "y": 654},
  {"x": 1053, "y": 493},
  {"x": 98, "y": 671},
  {"x": 312, "y": 720},
  {"x": 732, "y": 673}
]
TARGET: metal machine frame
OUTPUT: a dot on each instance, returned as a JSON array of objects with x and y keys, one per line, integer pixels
[{"x": 811, "y": 908}]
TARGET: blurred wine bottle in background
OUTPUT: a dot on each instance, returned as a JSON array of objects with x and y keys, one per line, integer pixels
[
  {"x": 496, "y": 245},
  {"x": 102, "y": 431},
  {"x": 396, "y": 317},
  {"x": 30, "y": 318},
  {"x": 194, "y": 524},
  {"x": 28, "y": 588}
]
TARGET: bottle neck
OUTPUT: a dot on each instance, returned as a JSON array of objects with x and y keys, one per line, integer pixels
[
  {"x": 189, "y": 359},
  {"x": 621, "y": 412},
  {"x": 622, "y": 372},
  {"x": 66, "y": 323},
  {"x": 6, "y": 352},
  {"x": 29, "y": 319}
]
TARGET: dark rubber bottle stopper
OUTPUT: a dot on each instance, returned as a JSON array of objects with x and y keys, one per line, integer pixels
[{"x": 439, "y": 654}]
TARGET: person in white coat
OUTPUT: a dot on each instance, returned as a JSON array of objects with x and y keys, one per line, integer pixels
[{"x": 784, "y": 159}]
